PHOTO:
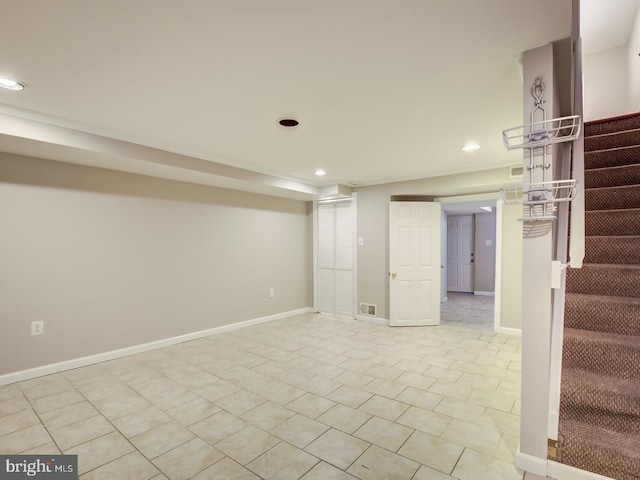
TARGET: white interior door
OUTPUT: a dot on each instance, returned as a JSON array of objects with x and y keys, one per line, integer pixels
[
  {"x": 414, "y": 261},
  {"x": 335, "y": 258},
  {"x": 460, "y": 253}
]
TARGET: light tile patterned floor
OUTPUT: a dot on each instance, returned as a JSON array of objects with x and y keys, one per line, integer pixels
[{"x": 308, "y": 397}]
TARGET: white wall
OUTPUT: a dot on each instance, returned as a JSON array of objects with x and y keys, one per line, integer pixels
[
  {"x": 110, "y": 260},
  {"x": 633, "y": 58},
  {"x": 606, "y": 83}
]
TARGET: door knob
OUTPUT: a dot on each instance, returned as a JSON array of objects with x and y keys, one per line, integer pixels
[{"x": 393, "y": 276}]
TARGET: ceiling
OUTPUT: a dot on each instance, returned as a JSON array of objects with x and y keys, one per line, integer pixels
[{"x": 193, "y": 90}]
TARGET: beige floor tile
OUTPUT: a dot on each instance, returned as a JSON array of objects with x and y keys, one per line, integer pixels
[
  {"x": 226, "y": 469},
  {"x": 384, "y": 407},
  {"x": 493, "y": 399},
  {"x": 45, "y": 386},
  {"x": 23, "y": 440},
  {"x": 354, "y": 379},
  {"x": 173, "y": 398},
  {"x": 431, "y": 451},
  {"x": 479, "y": 382},
  {"x": 18, "y": 421},
  {"x": 473, "y": 465},
  {"x": 501, "y": 421},
  {"x": 155, "y": 386},
  {"x": 337, "y": 448},
  {"x": 320, "y": 385},
  {"x": 299, "y": 430},
  {"x": 45, "y": 449},
  {"x": 474, "y": 436},
  {"x": 326, "y": 370},
  {"x": 132, "y": 465},
  {"x": 419, "y": 398},
  {"x": 268, "y": 415},
  {"x": 159, "y": 440},
  {"x": 450, "y": 389},
  {"x": 197, "y": 380},
  {"x": 384, "y": 373},
  {"x": 344, "y": 418},
  {"x": 103, "y": 391},
  {"x": 414, "y": 380},
  {"x": 385, "y": 388},
  {"x": 188, "y": 459},
  {"x": 247, "y": 444},
  {"x": 377, "y": 463},
  {"x": 66, "y": 415},
  {"x": 80, "y": 432},
  {"x": 311, "y": 405},
  {"x": 113, "y": 408},
  {"x": 192, "y": 412},
  {"x": 424, "y": 420},
  {"x": 350, "y": 396},
  {"x": 58, "y": 400},
  {"x": 283, "y": 462},
  {"x": 140, "y": 422},
  {"x": 282, "y": 393},
  {"x": 217, "y": 427},
  {"x": 384, "y": 433},
  {"x": 100, "y": 451},
  {"x": 14, "y": 405},
  {"x": 235, "y": 373},
  {"x": 460, "y": 409},
  {"x": 426, "y": 473},
  {"x": 324, "y": 471},
  {"x": 10, "y": 392},
  {"x": 240, "y": 402},
  {"x": 216, "y": 391}
]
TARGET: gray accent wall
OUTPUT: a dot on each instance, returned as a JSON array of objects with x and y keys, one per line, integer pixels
[
  {"x": 110, "y": 260},
  {"x": 485, "y": 255}
]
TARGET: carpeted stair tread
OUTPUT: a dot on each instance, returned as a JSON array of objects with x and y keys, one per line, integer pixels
[
  {"x": 612, "y": 222},
  {"x": 605, "y": 141},
  {"x": 612, "y": 157},
  {"x": 604, "y": 279},
  {"x": 612, "y": 198},
  {"x": 612, "y": 249},
  {"x": 612, "y": 176},
  {"x": 609, "y": 125},
  {"x": 595, "y": 352},
  {"x": 599, "y": 450},
  {"x": 603, "y": 313}
]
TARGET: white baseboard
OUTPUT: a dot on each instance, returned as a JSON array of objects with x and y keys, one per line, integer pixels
[
  {"x": 531, "y": 464},
  {"x": 509, "y": 331},
  {"x": 560, "y": 471},
  {"x": 555, "y": 470},
  {"x": 486, "y": 294},
  {"x": 378, "y": 320},
  {"x": 123, "y": 352}
]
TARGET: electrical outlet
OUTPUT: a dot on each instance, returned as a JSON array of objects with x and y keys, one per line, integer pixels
[
  {"x": 37, "y": 327},
  {"x": 272, "y": 292}
]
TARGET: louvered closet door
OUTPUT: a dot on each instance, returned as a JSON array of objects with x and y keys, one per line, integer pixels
[{"x": 335, "y": 258}]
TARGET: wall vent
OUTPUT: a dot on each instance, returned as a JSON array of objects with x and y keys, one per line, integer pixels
[
  {"x": 515, "y": 171},
  {"x": 368, "y": 309}
]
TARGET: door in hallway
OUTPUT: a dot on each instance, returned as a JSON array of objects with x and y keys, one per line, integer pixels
[
  {"x": 460, "y": 254},
  {"x": 414, "y": 262}
]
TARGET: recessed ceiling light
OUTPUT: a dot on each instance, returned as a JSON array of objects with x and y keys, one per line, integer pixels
[
  {"x": 11, "y": 84},
  {"x": 288, "y": 122},
  {"x": 320, "y": 172},
  {"x": 471, "y": 147}
]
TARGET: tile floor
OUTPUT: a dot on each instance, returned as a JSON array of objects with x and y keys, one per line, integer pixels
[{"x": 309, "y": 397}]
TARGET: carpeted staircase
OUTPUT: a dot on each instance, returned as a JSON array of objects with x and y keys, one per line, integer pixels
[{"x": 600, "y": 396}]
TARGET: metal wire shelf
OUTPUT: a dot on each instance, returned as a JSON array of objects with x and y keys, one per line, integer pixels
[
  {"x": 541, "y": 134},
  {"x": 539, "y": 199}
]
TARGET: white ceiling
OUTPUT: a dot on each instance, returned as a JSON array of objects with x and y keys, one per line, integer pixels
[
  {"x": 606, "y": 24},
  {"x": 384, "y": 90}
]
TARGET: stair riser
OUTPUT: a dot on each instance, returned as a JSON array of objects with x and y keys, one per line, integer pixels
[
  {"x": 618, "y": 250},
  {"x": 612, "y": 198},
  {"x": 614, "y": 282},
  {"x": 629, "y": 424},
  {"x": 612, "y": 177},
  {"x": 629, "y": 122},
  {"x": 608, "y": 317},
  {"x": 602, "y": 404},
  {"x": 599, "y": 357},
  {"x": 612, "y": 140},
  {"x": 613, "y": 223},
  {"x": 612, "y": 158}
]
